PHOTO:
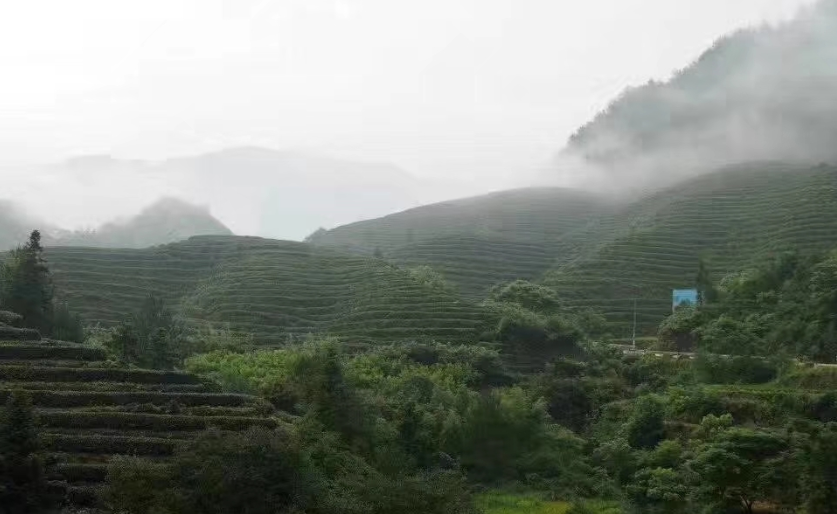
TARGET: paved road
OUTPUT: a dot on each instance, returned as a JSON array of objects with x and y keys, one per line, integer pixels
[{"x": 630, "y": 350}]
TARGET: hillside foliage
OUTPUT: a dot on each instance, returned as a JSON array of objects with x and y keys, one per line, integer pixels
[
  {"x": 26, "y": 289},
  {"x": 786, "y": 306}
]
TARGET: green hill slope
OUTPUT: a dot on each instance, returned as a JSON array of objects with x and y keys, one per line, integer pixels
[
  {"x": 275, "y": 290},
  {"x": 732, "y": 218},
  {"x": 476, "y": 242},
  {"x": 90, "y": 411},
  {"x": 474, "y": 264}
]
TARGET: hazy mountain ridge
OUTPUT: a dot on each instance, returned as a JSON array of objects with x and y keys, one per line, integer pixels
[
  {"x": 525, "y": 215},
  {"x": 759, "y": 94},
  {"x": 252, "y": 190},
  {"x": 166, "y": 221}
]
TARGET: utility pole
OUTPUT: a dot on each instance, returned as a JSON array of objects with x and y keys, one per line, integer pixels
[{"x": 633, "y": 337}]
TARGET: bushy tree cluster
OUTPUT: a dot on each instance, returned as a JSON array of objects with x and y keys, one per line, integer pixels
[
  {"x": 534, "y": 327},
  {"x": 416, "y": 411},
  {"x": 23, "y": 486},
  {"x": 26, "y": 289},
  {"x": 413, "y": 428},
  {"x": 788, "y": 305},
  {"x": 153, "y": 337}
]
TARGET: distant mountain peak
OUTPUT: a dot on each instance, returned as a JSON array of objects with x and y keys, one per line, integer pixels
[
  {"x": 167, "y": 220},
  {"x": 171, "y": 204}
]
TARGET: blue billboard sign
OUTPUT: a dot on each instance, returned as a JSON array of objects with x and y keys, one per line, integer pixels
[{"x": 681, "y": 297}]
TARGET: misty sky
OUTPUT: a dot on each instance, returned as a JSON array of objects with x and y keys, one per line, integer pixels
[{"x": 486, "y": 89}]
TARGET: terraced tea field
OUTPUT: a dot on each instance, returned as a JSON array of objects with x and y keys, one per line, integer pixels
[
  {"x": 474, "y": 264},
  {"x": 276, "y": 290},
  {"x": 734, "y": 219},
  {"x": 606, "y": 256},
  {"x": 477, "y": 242},
  {"x": 593, "y": 255},
  {"x": 88, "y": 411}
]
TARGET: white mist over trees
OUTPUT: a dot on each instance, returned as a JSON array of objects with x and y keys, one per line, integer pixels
[{"x": 764, "y": 94}]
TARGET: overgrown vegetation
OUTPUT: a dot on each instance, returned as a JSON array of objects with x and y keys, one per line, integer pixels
[
  {"x": 721, "y": 433},
  {"x": 26, "y": 289},
  {"x": 23, "y": 486},
  {"x": 787, "y": 306},
  {"x": 542, "y": 415}
]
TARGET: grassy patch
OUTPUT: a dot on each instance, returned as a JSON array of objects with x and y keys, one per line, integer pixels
[{"x": 496, "y": 502}]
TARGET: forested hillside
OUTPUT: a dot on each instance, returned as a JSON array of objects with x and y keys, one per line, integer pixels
[{"x": 764, "y": 93}]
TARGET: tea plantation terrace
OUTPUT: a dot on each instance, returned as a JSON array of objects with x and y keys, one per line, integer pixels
[
  {"x": 733, "y": 219},
  {"x": 278, "y": 291},
  {"x": 477, "y": 242},
  {"x": 89, "y": 411}
]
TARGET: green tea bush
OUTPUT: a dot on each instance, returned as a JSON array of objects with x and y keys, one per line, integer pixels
[
  {"x": 154, "y": 422},
  {"x": 61, "y": 374},
  {"x": 43, "y": 351},
  {"x": 78, "y": 472},
  {"x": 19, "y": 334},
  {"x": 70, "y": 399},
  {"x": 100, "y": 444},
  {"x": 10, "y": 318},
  {"x": 716, "y": 369}
]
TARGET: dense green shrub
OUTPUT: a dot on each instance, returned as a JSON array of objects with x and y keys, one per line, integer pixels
[
  {"x": 646, "y": 427},
  {"x": 45, "y": 351},
  {"x": 120, "y": 386},
  {"x": 716, "y": 369},
  {"x": 276, "y": 471},
  {"x": 19, "y": 334},
  {"x": 10, "y": 318},
  {"x": 61, "y": 374},
  {"x": 23, "y": 486},
  {"x": 678, "y": 330},
  {"x": 786, "y": 306},
  {"x": 66, "y": 325},
  {"x": 74, "y": 472},
  {"x": 69, "y": 399},
  {"x": 26, "y": 290},
  {"x": 693, "y": 404},
  {"x": 152, "y": 337},
  {"x": 530, "y": 296},
  {"x": 507, "y": 436},
  {"x": 145, "y": 421},
  {"x": 819, "y": 462},
  {"x": 102, "y": 444},
  {"x": 257, "y": 472},
  {"x": 26, "y": 285}
]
